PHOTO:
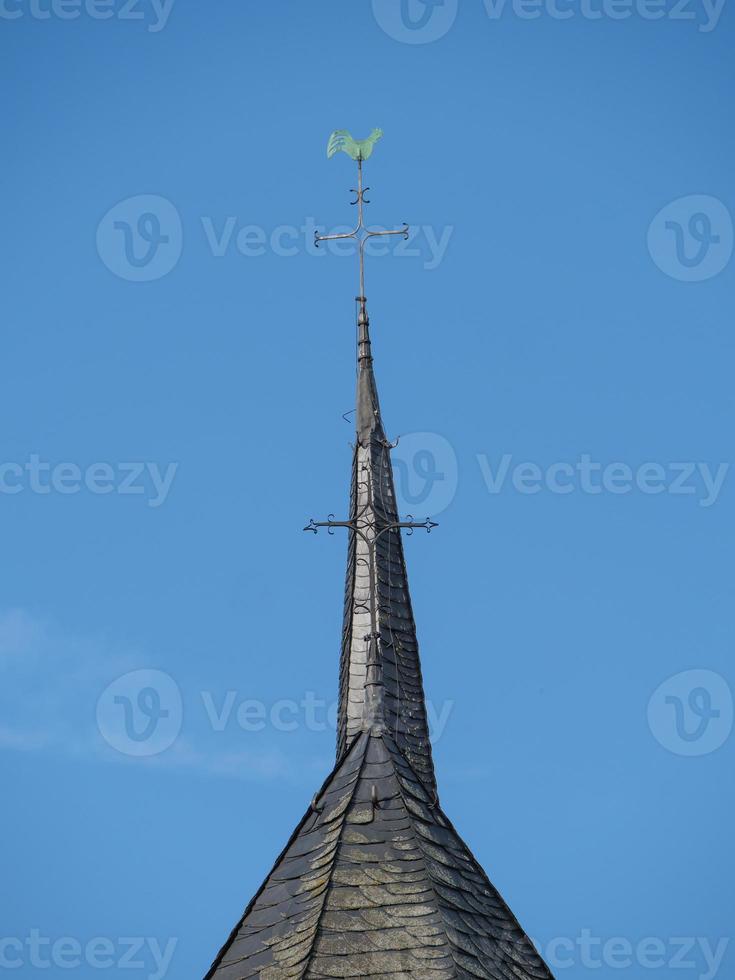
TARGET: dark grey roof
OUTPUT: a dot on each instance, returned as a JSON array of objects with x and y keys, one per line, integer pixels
[{"x": 375, "y": 881}]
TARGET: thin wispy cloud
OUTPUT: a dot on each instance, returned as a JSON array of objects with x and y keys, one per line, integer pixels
[{"x": 50, "y": 686}]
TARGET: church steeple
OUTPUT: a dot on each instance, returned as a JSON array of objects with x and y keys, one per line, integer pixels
[
  {"x": 379, "y": 646},
  {"x": 375, "y": 882},
  {"x": 377, "y": 600}
]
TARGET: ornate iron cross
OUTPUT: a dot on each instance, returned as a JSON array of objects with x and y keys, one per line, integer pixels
[
  {"x": 364, "y": 524},
  {"x": 370, "y": 531},
  {"x": 360, "y": 201}
]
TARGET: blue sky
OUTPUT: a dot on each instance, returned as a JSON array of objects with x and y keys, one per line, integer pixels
[{"x": 555, "y": 349}]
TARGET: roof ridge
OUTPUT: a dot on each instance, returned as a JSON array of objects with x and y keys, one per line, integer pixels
[{"x": 392, "y": 748}]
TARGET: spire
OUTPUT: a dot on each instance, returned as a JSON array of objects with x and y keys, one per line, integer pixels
[
  {"x": 381, "y": 686},
  {"x": 375, "y": 881},
  {"x": 377, "y": 600},
  {"x": 379, "y": 647},
  {"x": 368, "y": 407}
]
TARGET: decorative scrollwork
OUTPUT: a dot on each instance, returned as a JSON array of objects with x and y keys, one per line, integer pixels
[
  {"x": 361, "y": 525},
  {"x": 411, "y": 525}
]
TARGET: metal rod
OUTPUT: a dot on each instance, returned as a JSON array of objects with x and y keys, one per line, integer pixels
[
  {"x": 359, "y": 212},
  {"x": 361, "y": 240}
]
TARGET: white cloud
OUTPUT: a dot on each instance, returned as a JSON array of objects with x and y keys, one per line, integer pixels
[{"x": 50, "y": 683}]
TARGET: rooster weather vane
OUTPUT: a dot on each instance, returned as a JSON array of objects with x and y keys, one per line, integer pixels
[{"x": 358, "y": 150}]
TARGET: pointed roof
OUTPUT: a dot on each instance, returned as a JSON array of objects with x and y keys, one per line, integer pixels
[
  {"x": 376, "y": 594},
  {"x": 376, "y": 882}
]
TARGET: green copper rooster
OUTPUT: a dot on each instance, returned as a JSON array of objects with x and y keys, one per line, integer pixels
[{"x": 357, "y": 149}]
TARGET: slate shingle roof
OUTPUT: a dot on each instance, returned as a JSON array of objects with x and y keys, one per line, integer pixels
[
  {"x": 375, "y": 881},
  {"x": 373, "y": 505}
]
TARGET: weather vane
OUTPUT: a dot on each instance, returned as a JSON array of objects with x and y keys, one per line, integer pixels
[{"x": 358, "y": 150}]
